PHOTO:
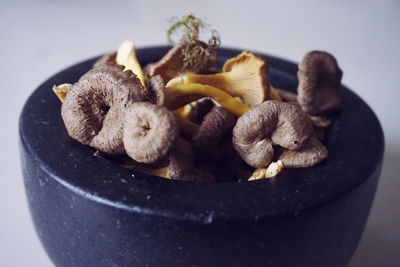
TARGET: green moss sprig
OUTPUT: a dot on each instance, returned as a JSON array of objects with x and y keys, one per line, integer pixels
[{"x": 195, "y": 54}]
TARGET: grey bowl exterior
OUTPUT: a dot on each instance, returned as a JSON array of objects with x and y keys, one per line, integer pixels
[{"x": 88, "y": 211}]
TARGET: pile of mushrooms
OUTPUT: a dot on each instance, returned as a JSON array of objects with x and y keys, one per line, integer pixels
[{"x": 177, "y": 123}]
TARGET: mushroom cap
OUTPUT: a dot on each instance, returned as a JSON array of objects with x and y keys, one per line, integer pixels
[
  {"x": 213, "y": 139},
  {"x": 251, "y": 80},
  {"x": 181, "y": 164},
  {"x": 319, "y": 83},
  {"x": 93, "y": 108},
  {"x": 309, "y": 155},
  {"x": 201, "y": 108},
  {"x": 156, "y": 90},
  {"x": 149, "y": 132},
  {"x": 110, "y": 58},
  {"x": 215, "y": 125},
  {"x": 171, "y": 65},
  {"x": 270, "y": 123}
]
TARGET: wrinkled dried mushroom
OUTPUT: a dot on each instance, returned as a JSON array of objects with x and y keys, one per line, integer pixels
[
  {"x": 172, "y": 64},
  {"x": 212, "y": 140},
  {"x": 149, "y": 132},
  {"x": 216, "y": 124},
  {"x": 156, "y": 90},
  {"x": 94, "y": 107},
  {"x": 319, "y": 83},
  {"x": 268, "y": 124},
  {"x": 309, "y": 155},
  {"x": 181, "y": 164},
  {"x": 110, "y": 58}
]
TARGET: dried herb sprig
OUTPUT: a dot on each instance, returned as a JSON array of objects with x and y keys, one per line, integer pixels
[{"x": 195, "y": 55}]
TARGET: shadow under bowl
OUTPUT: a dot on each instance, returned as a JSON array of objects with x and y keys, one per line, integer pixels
[{"x": 89, "y": 211}]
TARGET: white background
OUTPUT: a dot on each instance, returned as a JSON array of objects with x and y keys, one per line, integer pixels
[{"x": 39, "y": 38}]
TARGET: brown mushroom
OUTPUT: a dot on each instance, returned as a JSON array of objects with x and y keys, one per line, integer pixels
[
  {"x": 291, "y": 98},
  {"x": 171, "y": 65},
  {"x": 270, "y": 123},
  {"x": 210, "y": 142},
  {"x": 93, "y": 108},
  {"x": 156, "y": 90},
  {"x": 215, "y": 125},
  {"x": 319, "y": 83},
  {"x": 181, "y": 164},
  {"x": 110, "y": 58},
  {"x": 149, "y": 132},
  {"x": 196, "y": 110},
  {"x": 309, "y": 155}
]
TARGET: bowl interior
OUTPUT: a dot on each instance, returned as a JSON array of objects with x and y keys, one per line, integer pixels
[{"x": 354, "y": 142}]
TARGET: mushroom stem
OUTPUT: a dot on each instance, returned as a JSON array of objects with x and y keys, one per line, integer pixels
[
  {"x": 182, "y": 166},
  {"x": 181, "y": 94},
  {"x": 243, "y": 76}
]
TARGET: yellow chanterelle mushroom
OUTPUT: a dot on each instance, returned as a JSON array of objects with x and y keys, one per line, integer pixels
[
  {"x": 244, "y": 76},
  {"x": 126, "y": 56}
]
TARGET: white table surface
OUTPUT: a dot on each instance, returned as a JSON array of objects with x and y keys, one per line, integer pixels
[{"x": 39, "y": 38}]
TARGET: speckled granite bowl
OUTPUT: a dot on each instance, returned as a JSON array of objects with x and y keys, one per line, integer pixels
[{"x": 88, "y": 211}]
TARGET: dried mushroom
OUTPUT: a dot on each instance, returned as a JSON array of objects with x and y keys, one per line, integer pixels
[
  {"x": 244, "y": 76},
  {"x": 216, "y": 124},
  {"x": 94, "y": 107},
  {"x": 212, "y": 140},
  {"x": 309, "y": 155},
  {"x": 185, "y": 119},
  {"x": 172, "y": 64},
  {"x": 156, "y": 90},
  {"x": 149, "y": 132},
  {"x": 110, "y": 58},
  {"x": 319, "y": 83},
  {"x": 181, "y": 164},
  {"x": 196, "y": 110},
  {"x": 268, "y": 124}
]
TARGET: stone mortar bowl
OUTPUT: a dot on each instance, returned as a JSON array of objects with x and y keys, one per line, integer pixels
[{"x": 89, "y": 211}]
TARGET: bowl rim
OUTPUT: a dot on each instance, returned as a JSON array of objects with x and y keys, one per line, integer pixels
[{"x": 71, "y": 164}]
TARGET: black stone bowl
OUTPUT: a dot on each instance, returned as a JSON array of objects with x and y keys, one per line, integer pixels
[{"x": 89, "y": 211}]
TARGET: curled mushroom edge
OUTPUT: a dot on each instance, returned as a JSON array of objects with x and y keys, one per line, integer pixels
[
  {"x": 268, "y": 124},
  {"x": 319, "y": 88},
  {"x": 94, "y": 107}
]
